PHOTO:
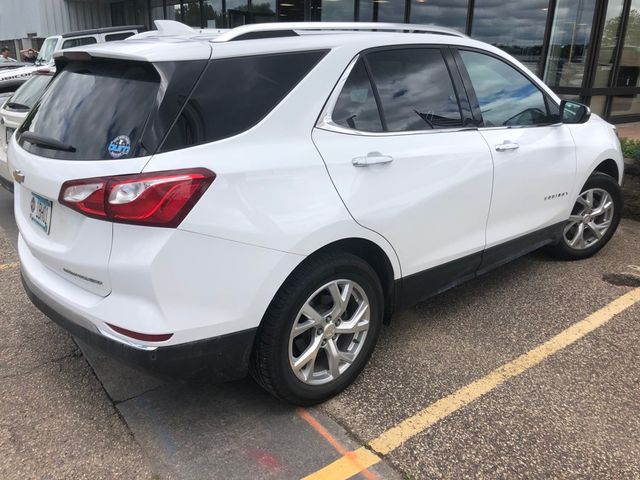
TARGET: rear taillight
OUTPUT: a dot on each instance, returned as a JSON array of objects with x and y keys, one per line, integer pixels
[{"x": 160, "y": 199}]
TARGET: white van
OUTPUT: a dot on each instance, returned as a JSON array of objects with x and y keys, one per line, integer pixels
[{"x": 11, "y": 79}]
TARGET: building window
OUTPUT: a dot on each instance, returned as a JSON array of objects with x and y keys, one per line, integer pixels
[
  {"x": 569, "y": 43},
  {"x": 157, "y": 10},
  {"x": 516, "y": 27},
  {"x": 117, "y": 14},
  {"x": 237, "y": 13},
  {"x": 598, "y": 104},
  {"x": 382, "y": 11},
  {"x": 628, "y": 74},
  {"x": 263, "y": 11},
  {"x": 333, "y": 10},
  {"x": 444, "y": 13},
  {"x": 212, "y": 14},
  {"x": 173, "y": 10},
  {"x": 191, "y": 14},
  {"x": 610, "y": 36}
]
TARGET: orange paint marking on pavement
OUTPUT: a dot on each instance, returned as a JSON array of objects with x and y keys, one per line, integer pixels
[{"x": 353, "y": 458}]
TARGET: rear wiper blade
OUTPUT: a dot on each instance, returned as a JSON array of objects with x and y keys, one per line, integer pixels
[
  {"x": 46, "y": 142},
  {"x": 17, "y": 106}
]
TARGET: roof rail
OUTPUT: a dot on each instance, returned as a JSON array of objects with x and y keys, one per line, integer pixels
[{"x": 266, "y": 30}]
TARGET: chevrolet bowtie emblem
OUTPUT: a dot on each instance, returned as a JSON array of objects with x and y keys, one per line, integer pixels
[{"x": 18, "y": 176}]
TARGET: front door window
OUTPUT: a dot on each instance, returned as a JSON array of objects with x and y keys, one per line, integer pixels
[{"x": 506, "y": 97}]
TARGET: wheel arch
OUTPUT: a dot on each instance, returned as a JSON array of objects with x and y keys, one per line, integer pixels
[
  {"x": 370, "y": 252},
  {"x": 375, "y": 256},
  {"x": 608, "y": 167}
]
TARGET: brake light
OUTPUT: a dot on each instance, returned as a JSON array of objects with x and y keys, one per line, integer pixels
[{"x": 160, "y": 199}]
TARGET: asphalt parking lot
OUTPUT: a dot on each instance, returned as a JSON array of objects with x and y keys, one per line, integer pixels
[{"x": 529, "y": 372}]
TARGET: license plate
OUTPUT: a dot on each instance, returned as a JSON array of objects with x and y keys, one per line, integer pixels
[
  {"x": 41, "y": 212},
  {"x": 9, "y": 132}
]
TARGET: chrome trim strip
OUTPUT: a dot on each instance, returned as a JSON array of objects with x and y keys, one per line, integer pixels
[
  {"x": 333, "y": 127},
  {"x": 128, "y": 343},
  {"x": 519, "y": 127}
]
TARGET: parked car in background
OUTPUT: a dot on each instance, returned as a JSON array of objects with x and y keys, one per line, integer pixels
[
  {"x": 263, "y": 199},
  {"x": 4, "y": 66},
  {"x": 11, "y": 79},
  {"x": 13, "y": 112}
]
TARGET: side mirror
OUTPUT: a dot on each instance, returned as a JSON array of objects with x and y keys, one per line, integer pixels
[{"x": 574, "y": 112}]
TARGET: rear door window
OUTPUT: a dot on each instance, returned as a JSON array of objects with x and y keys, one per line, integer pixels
[
  {"x": 356, "y": 107},
  {"x": 415, "y": 89},
  {"x": 234, "y": 94},
  {"x": 98, "y": 108}
]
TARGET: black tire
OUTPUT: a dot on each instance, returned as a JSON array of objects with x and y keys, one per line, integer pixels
[
  {"x": 270, "y": 365},
  {"x": 607, "y": 183}
]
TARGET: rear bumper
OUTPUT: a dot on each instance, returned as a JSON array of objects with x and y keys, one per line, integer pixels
[{"x": 221, "y": 358}]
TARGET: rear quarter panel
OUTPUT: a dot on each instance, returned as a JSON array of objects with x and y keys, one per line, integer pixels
[{"x": 272, "y": 188}]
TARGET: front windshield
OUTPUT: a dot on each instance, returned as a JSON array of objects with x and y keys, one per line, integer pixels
[
  {"x": 29, "y": 93},
  {"x": 46, "y": 52}
]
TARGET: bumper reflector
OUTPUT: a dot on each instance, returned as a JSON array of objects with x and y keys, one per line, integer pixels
[{"x": 145, "y": 337}]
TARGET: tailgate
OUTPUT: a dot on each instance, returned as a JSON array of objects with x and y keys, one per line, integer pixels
[
  {"x": 74, "y": 246},
  {"x": 97, "y": 118}
]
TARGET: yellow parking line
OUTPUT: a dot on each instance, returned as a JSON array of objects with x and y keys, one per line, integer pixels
[
  {"x": 9, "y": 266},
  {"x": 346, "y": 466},
  {"x": 394, "y": 437},
  {"x": 355, "y": 463}
]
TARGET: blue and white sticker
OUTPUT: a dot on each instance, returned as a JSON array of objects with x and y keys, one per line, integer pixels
[{"x": 119, "y": 146}]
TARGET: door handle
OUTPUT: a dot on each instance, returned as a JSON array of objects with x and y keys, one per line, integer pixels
[
  {"x": 372, "y": 158},
  {"x": 506, "y": 146}
]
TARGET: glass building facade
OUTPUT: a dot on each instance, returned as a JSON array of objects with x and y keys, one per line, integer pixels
[{"x": 584, "y": 49}]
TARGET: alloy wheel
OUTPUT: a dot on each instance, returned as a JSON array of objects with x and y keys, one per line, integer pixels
[
  {"x": 590, "y": 219},
  {"x": 329, "y": 332}
]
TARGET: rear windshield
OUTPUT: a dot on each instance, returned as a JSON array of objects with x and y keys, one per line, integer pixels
[
  {"x": 99, "y": 109},
  {"x": 29, "y": 93}
]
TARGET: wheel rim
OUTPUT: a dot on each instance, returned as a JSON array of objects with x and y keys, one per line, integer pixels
[
  {"x": 329, "y": 332},
  {"x": 590, "y": 219}
]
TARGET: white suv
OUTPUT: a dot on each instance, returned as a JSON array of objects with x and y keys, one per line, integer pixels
[{"x": 263, "y": 200}]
